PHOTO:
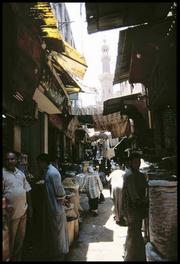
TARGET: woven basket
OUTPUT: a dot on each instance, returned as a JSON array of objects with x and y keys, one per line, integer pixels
[{"x": 163, "y": 216}]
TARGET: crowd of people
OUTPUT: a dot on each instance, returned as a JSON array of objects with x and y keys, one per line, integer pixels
[
  {"x": 128, "y": 190},
  {"x": 41, "y": 200},
  {"x": 36, "y": 204}
]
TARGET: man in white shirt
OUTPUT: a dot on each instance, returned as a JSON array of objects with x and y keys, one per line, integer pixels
[
  {"x": 134, "y": 208},
  {"x": 116, "y": 182},
  {"x": 15, "y": 189}
]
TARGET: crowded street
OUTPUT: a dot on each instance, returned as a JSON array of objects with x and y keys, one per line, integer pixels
[{"x": 89, "y": 122}]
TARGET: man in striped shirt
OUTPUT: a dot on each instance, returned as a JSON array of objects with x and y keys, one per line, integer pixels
[{"x": 93, "y": 187}]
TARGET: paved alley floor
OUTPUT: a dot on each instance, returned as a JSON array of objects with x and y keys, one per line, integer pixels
[{"x": 100, "y": 238}]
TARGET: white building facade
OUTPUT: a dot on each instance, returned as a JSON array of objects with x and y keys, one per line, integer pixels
[{"x": 63, "y": 22}]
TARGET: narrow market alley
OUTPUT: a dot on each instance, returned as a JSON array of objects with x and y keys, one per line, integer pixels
[
  {"x": 89, "y": 110},
  {"x": 100, "y": 238}
]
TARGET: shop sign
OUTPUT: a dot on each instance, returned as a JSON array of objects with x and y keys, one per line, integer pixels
[{"x": 53, "y": 93}]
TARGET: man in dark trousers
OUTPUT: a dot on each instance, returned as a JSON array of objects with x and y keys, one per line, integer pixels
[
  {"x": 55, "y": 233},
  {"x": 134, "y": 207}
]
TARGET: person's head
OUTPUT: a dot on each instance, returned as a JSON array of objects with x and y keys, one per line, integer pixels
[
  {"x": 55, "y": 161},
  {"x": 10, "y": 160},
  {"x": 24, "y": 159},
  {"x": 43, "y": 161},
  {"x": 135, "y": 161}
]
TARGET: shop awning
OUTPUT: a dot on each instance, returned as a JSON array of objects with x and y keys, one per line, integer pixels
[
  {"x": 139, "y": 51},
  {"x": 104, "y": 16},
  {"x": 69, "y": 70},
  {"x": 71, "y": 61},
  {"x": 70, "y": 65},
  {"x": 43, "y": 16},
  {"x": 123, "y": 57},
  {"x": 117, "y": 104},
  {"x": 69, "y": 82},
  {"x": 133, "y": 105},
  {"x": 55, "y": 89},
  {"x": 44, "y": 103},
  {"x": 74, "y": 54},
  {"x": 116, "y": 123}
]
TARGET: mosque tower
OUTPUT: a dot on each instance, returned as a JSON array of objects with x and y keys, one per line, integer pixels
[{"x": 106, "y": 78}]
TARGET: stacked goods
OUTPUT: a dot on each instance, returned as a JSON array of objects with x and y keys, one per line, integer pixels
[
  {"x": 73, "y": 212},
  {"x": 163, "y": 217},
  {"x": 71, "y": 186}
]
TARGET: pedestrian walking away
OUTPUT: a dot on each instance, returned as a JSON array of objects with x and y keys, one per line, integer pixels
[
  {"x": 93, "y": 187},
  {"x": 116, "y": 182},
  {"x": 134, "y": 208}
]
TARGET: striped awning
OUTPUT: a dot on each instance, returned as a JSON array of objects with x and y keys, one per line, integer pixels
[
  {"x": 43, "y": 15},
  {"x": 73, "y": 67},
  {"x": 116, "y": 123}
]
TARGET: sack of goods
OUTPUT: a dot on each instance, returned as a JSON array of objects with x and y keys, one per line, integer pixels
[{"x": 163, "y": 217}]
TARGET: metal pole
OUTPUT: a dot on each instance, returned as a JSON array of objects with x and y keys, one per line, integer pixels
[{"x": 147, "y": 105}]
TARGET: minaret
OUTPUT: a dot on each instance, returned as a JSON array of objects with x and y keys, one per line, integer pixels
[{"x": 106, "y": 78}]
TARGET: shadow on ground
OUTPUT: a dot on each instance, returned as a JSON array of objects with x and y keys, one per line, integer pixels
[{"x": 92, "y": 229}]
